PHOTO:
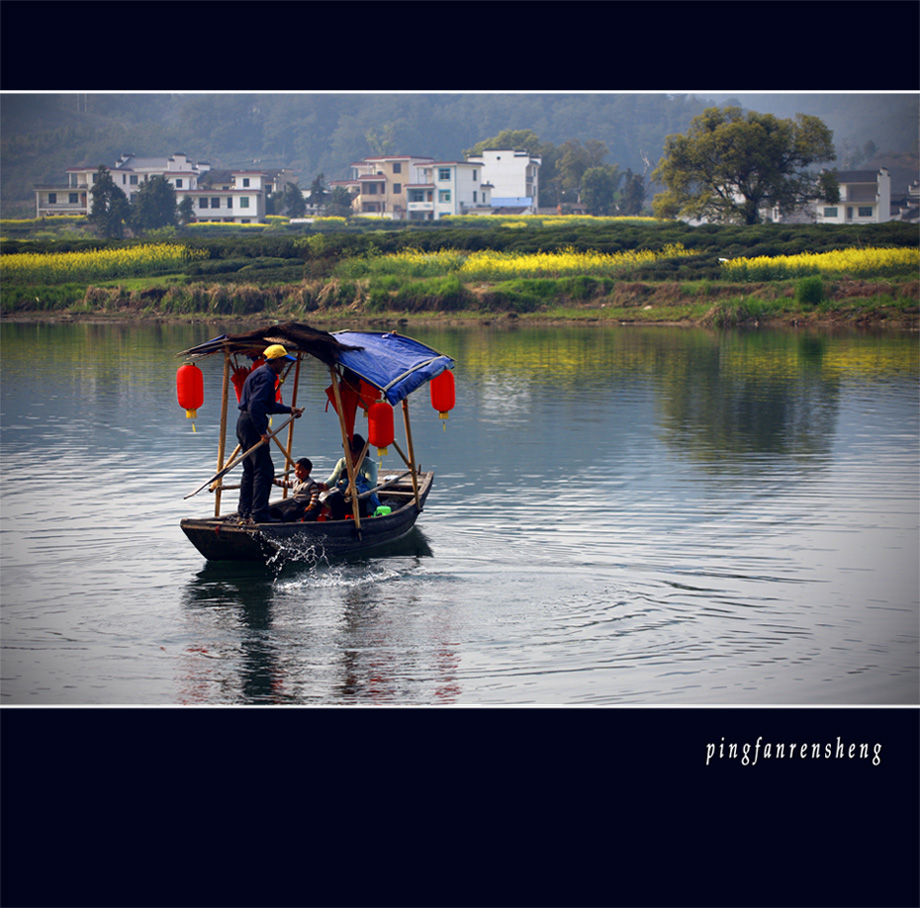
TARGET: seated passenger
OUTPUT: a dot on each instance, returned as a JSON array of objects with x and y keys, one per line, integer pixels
[
  {"x": 365, "y": 480},
  {"x": 304, "y": 504}
]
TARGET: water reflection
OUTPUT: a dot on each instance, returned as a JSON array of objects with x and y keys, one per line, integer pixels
[
  {"x": 749, "y": 395},
  {"x": 618, "y": 515},
  {"x": 262, "y": 634}
]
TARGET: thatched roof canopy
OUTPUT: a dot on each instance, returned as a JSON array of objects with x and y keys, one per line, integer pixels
[{"x": 294, "y": 337}]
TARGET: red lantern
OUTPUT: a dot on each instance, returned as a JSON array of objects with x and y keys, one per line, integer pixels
[
  {"x": 380, "y": 426},
  {"x": 190, "y": 389},
  {"x": 442, "y": 393},
  {"x": 239, "y": 376}
]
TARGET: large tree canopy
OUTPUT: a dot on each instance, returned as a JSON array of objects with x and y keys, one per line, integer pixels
[
  {"x": 518, "y": 139},
  {"x": 730, "y": 166},
  {"x": 154, "y": 206},
  {"x": 110, "y": 208}
]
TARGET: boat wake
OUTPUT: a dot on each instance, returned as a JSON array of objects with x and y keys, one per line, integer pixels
[{"x": 280, "y": 552}]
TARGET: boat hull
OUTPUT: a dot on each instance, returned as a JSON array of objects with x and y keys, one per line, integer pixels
[{"x": 221, "y": 539}]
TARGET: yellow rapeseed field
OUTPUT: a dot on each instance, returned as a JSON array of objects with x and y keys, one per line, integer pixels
[
  {"x": 488, "y": 264},
  {"x": 852, "y": 262},
  {"x": 97, "y": 264}
]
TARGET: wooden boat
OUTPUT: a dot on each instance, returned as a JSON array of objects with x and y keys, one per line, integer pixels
[{"x": 367, "y": 369}]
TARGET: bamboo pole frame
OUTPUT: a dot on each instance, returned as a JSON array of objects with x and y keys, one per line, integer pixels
[
  {"x": 411, "y": 462},
  {"x": 223, "y": 428},
  {"x": 346, "y": 444},
  {"x": 290, "y": 439}
]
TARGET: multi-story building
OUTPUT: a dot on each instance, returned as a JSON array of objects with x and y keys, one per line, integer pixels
[
  {"x": 865, "y": 198},
  {"x": 382, "y": 181},
  {"x": 237, "y": 196},
  {"x": 514, "y": 175},
  {"x": 418, "y": 188},
  {"x": 225, "y": 195},
  {"x": 129, "y": 173},
  {"x": 449, "y": 187}
]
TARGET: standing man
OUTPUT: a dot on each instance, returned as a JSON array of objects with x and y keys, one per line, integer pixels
[{"x": 257, "y": 401}]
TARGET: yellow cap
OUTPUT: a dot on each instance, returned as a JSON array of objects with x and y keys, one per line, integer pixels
[{"x": 276, "y": 351}]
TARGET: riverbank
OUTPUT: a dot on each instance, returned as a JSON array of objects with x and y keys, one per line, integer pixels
[
  {"x": 664, "y": 273},
  {"x": 848, "y": 305}
]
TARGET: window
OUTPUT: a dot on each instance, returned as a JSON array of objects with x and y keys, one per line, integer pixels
[
  {"x": 416, "y": 195},
  {"x": 230, "y": 201},
  {"x": 215, "y": 203},
  {"x": 245, "y": 182},
  {"x": 244, "y": 201},
  {"x": 443, "y": 173},
  {"x": 397, "y": 167},
  {"x": 52, "y": 198},
  {"x": 397, "y": 188},
  {"x": 73, "y": 199},
  {"x": 474, "y": 196},
  {"x": 830, "y": 212},
  {"x": 179, "y": 183},
  {"x": 865, "y": 212},
  {"x": 474, "y": 176},
  {"x": 133, "y": 179},
  {"x": 444, "y": 195},
  {"x": 202, "y": 203}
]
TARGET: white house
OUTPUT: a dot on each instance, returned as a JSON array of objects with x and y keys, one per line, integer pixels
[
  {"x": 865, "y": 198},
  {"x": 417, "y": 188},
  {"x": 449, "y": 187},
  {"x": 74, "y": 196},
  {"x": 514, "y": 176},
  {"x": 232, "y": 195},
  {"x": 236, "y": 196}
]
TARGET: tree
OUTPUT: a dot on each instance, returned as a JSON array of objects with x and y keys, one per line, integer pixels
[
  {"x": 154, "y": 205},
  {"x": 633, "y": 194},
  {"x": 382, "y": 143},
  {"x": 575, "y": 159},
  {"x": 518, "y": 139},
  {"x": 730, "y": 166},
  {"x": 318, "y": 192},
  {"x": 339, "y": 205},
  {"x": 293, "y": 201},
  {"x": 109, "y": 209},
  {"x": 599, "y": 187},
  {"x": 186, "y": 210}
]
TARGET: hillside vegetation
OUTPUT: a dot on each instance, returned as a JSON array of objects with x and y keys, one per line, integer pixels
[{"x": 309, "y": 134}]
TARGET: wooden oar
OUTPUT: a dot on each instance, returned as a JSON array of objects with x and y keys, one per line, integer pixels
[{"x": 226, "y": 470}]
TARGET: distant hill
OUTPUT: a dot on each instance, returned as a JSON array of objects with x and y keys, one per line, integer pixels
[{"x": 43, "y": 134}]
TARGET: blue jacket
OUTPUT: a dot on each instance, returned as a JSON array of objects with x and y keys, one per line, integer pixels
[{"x": 258, "y": 398}]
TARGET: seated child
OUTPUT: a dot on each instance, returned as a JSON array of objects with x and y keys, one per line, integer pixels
[{"x": 304, "y": 504}]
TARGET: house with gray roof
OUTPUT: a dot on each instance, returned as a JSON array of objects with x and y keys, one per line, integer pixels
[{"x": 236, "y": 196}]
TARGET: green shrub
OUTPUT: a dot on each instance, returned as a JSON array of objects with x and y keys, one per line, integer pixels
[{"x": 809, "y": 291}]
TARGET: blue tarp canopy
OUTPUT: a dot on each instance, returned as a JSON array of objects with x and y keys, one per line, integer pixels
[{"x": 395, "y": 364}]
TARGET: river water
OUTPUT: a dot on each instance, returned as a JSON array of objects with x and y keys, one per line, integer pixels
[{"x": 620, "y": 515}]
